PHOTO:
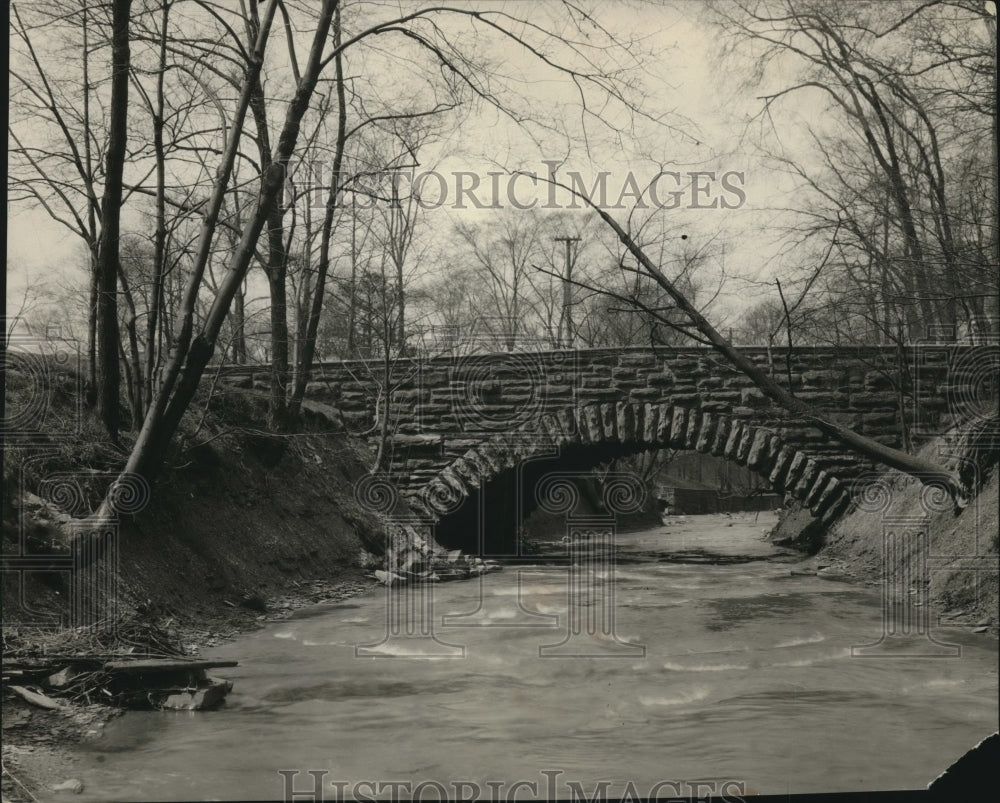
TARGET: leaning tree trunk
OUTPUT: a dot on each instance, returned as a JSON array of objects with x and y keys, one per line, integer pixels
[
  {"x": 924, "y": 470},
  {"x": 165, "y": 416},
  {"x": 150, "y": 446}
]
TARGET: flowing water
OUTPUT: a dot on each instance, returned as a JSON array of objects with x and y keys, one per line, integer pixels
[{"x": 735, "y": 674}]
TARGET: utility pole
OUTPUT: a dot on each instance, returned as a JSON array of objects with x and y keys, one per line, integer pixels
[{"x": 567, "y": 288}]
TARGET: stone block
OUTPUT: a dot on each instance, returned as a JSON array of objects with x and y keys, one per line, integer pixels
[
  {"x": 706, "y": 433},
  {"x": 691, "y": 433},
  {"x": 650, "y": 419},
  {"x": 838, "y": 504},
  {"x": 666, "y": 417},
  {"x": 637, "y": 360},
  {"x": 729, "y": 397},
  {"x": 795, "y": 469},
  {"x": 568, "y": 423},
  {"x": 609, "y": 422},
  {"x": 823, "y": 378},
  {"x": 592, "y": 428},
  {"x": 816, "y": 489},
  {"x": 760, "y": 457},
  {"x": 690, "y": 399},
  {"x": 827, "y": 496},
  {"x": 733, "y": 441},
  {"x": 877, "y": 380},
  {"x": 598, "y": 394},
  {"x": 723, "y": 427},
  {"x": 805, "y": 482},
  {"x": 677, "y": 427},
  {"x": 746, "y": 441},
  {"x": 626, "y": 421},
  {"x": 781, "y": 464},
  {"x": 861, "y": 401},
  {"x": 624, "y": 387},
  {"x": 664, "y": 380},
  {"x": 753, "y": 397}
]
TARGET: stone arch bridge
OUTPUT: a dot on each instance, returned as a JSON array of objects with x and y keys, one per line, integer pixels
[{"x": 461, "y": 423}]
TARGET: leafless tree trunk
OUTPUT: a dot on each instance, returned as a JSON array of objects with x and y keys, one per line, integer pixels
[
  {"x": 308, "y": 346},
  {"x": 158, "y": 429},
  {"x": 160, "y": 233},
  {"x": 108, "y": 374},
  {"x": 924, "y": 470},
  {"x": 163, "y": 415}
]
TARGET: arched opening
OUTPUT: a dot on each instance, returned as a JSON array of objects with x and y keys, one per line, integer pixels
[
  {"x": 488, "y": 522},
  {"x": 480, "y": 501}
]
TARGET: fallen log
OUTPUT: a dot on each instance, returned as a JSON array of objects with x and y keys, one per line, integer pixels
[
  {"x": 163, "y": 665},
  {"x": 36, "y": 698}
]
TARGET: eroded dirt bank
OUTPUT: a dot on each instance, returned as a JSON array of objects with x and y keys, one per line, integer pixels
[
  {"x": 243, "y": 528},
  {"x": 959, "y": 563}
]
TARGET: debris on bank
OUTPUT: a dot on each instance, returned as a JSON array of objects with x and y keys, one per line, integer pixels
[
  {"x": 126, "y": 682},
  {"x": 437, "y": 568},
  {"x": 135, "y": 666},
  {"x": 412, "y": 556}
]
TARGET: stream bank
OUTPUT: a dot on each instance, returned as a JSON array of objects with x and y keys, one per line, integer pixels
[
  {"x": 958, "y": 561},
  {"x": 726, "y": 665}
]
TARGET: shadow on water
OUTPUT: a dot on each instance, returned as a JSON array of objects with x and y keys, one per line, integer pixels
[
  {"x": 728, "y": 613},
  {"x": 343, "y": 689},
  {"x": 699, "y": 556},
  {"x": 321, "y": 609}
]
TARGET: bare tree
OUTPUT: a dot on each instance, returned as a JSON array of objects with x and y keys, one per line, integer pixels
[
  {"x": 504, "y": 254},
  {"x": 204, "y": 170},
  {"x": 908, "y": 97},
  {"x": 63, "y": 178},
  {"x": 701, "y": 329}
]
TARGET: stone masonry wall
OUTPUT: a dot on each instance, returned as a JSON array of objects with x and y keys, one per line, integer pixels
[{"x": 443, "y": 407}]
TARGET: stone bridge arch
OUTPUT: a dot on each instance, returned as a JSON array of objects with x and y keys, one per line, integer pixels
[
  {"x": 460, "y": 422},
  {"x": 604, "y": 430}
]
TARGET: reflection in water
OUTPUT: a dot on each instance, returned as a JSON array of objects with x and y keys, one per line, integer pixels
[{"x": 747, "y": 676}]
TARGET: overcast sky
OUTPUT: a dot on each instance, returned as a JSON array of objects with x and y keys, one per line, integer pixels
[{"x": 708, "y": 116}]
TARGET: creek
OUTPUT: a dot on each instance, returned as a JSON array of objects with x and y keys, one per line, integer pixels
[{"x": 724, "y": 667}]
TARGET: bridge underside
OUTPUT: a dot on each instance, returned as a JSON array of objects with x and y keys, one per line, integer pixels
[
  {"x": 505, "y": 468},
  {"x": 488, "y": 520}
]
